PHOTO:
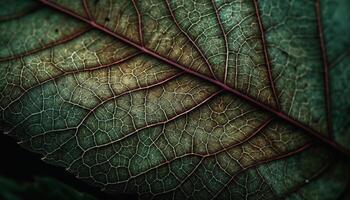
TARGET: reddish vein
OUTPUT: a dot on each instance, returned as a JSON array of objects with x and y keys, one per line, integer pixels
[
  {"x": 86, "y": 9},
  {"x": 314, "y": 176},
  {"x": 325, "y": 68},
  {"x": 190, "y": 39},
  {"x": 47, "y": 46},
  {"x": 256, "y": 131},
  {"x": 301, "y": 149},
  {"x": 208, "y": 155},
  {"x": 339, "y": 59},
  {"x": 225, "y": 38},
  {"x": 266, "y": 55},
  {"x": 139, "y": 19},
  {"x": 66, "y": 73},
  {"x": 247, "y": 98},
  {"x": 137, "y": 130}
]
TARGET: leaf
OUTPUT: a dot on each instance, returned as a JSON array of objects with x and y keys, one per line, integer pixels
[
  {"x": 182, "y": 99},
  {"x": 39, "y": 188}
]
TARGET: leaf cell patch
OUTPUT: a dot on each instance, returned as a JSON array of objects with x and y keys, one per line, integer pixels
[{"x": 183, "y": 99}]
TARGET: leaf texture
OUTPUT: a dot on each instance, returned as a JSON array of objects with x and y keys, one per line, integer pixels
[
  {"x": 238, "y": 99},
  {"x": 39, "y": 188}
]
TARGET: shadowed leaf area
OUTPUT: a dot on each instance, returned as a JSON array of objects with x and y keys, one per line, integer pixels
[
  {"x": 40, "y": 188},
  {"x": 183, "y": 99}
]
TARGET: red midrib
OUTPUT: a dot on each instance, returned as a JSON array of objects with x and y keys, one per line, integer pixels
[
  {"x": 273, "y": 111},
  {"x": 266, "y": 55},
  {"x": 325, "y": 69}
]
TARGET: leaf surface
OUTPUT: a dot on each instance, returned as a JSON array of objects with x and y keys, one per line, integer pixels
[
  {"x": 40, "y": 188},
  {"x": 182, "y": 99}
]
